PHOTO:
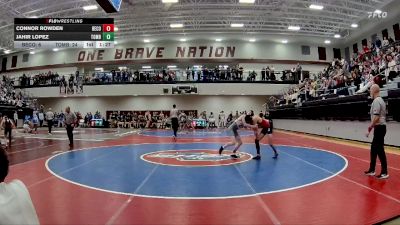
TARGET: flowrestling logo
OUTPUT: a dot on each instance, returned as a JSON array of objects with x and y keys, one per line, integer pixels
[
  {"x": 194, "y": 158},
  {"x": 377, "y": 14}
]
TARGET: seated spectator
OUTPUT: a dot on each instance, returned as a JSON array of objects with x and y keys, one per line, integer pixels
[
  {"x": 392, "y": 68},
  {"x": 15, "y": 202},
  {"x": 366, "y": 49},
  {"x": 385, "y": 42}
]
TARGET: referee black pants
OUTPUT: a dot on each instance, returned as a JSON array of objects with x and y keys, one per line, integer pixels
[
  {"x": 175, "y": 125},
  {"x": 378, "y": 149},
  {"x": 50, "y": 125},
  {"x": 70, "y": 129}
]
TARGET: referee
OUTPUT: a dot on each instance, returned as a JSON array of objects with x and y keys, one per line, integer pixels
[
  {"x": 174, "y": 120},
  {"x": 70, "y": 121},
  {"x": 378, "y": 124}
]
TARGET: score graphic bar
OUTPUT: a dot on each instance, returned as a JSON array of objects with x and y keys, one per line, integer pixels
[{"x": 64, "y": 33}]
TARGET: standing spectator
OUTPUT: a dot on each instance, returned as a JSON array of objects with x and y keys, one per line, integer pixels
[
  {"x": 60, "y": 119},
  {"x": 211, "y": 120},
  {"x": 267, "y": 73},
  {"x": 272, "y": 73},
  {"x": 70, "y": 121},
  {"x": 378, "y": 124},
  {"x": 298, "y": 72},
  {"x": 7, "y": 125},
  {"x": 63, "y": 85},
  {"x": 221, "y": 119},
  {"x": 35, "y": 121},
  {"x": 15, "y": 202},
  {"x": 49, "y": 119},
  {"x": 16, "y": 119},
  {"x": 263, "y": 74},
  {"x": 41, "y": 118},
  {"x": 147, "y": 116}
]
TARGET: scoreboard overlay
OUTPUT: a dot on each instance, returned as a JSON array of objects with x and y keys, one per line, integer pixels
[{"x": 49, "y": 33}]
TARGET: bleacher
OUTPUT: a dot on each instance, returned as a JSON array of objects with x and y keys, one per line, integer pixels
[
  {"x": 341, "y": 103},
  {"x": 334, "y": 107}
]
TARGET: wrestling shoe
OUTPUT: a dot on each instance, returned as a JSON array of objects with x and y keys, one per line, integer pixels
[
  {"x": 234, "y": 156},
  {"x": 369, "y": 173},
  {"x": 220, "y": 150},
  {"x": 383, "y": 176}
]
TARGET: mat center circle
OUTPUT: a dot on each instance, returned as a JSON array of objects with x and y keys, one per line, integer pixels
[{"x": 198, "y": 157}]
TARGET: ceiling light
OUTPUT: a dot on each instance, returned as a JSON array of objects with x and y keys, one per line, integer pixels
[
  {"x": 146, "y": 67},
  {"x": 32, "y": 52},
  {"x": 327, "y": 41},
  {"x": 55, "y": 49},
  {"x": 182, "y": 40},
  {"x": 171, "y": 66},
  {"x": 90, "y": 7},
  {"x": 218, "y": 40},
  {"x": 247, "y": 1},
  {"x": 169, "y": 1},
  {"x": 318, "y": 7},
  {"x": 354, "y": 25},
  {"x": 176, "y": 25},
  {"x": 99, "y": 68},
  {"x": 115, "y": 42},
  {"x": 32, "y": 17},
  {"x": 122, "y": 68},
  {"x": 252, "y": 40},
  {"x": 7, "y": 51},
  {"x": 237, "y": 25},
  {"x": 378, "y": 11},
  {"x": 284, "y": 41},
  {"x": 337, "y": 36},
  {"x": 294, "y": 28},
  {"x": 116, "y": 29},
  {"x": 146, "y": 40}
]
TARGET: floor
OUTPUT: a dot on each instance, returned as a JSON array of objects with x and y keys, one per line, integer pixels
[{"x": 118, "y": 176}]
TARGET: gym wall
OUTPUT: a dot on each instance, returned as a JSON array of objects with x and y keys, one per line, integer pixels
[{"x": 213, "y": 104}]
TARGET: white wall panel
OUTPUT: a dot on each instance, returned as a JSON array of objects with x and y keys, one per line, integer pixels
[
  {"x": 243, "y": 50},
  {"x": 353, "y": 130}
]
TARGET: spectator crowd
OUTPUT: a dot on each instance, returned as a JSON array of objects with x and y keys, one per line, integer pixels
[
  {"x": 377, "y": 63},
  {"x": 73, "y": 83},
  {"x": 10, "y": 96},
  {"x": 160, "y": 119}
]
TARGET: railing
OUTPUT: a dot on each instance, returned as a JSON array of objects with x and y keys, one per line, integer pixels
[{"x": 99, "y": 82}]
